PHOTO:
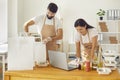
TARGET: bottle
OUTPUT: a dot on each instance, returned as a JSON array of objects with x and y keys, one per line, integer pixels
[
  {"x": 87, "y": 63},
  {"x": 100, "y": 58},
  {"x": 79, "y": 66},
  {"x": 94, "y": 65},
  {"x": 82, "y": 66}
]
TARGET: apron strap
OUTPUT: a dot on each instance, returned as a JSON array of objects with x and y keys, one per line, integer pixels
[
  {"x": 44, "y": 19},
  {"x": 54, "y": 22},
  {"x": 89, "y": 37},
  {"x": 81, "y": 39}
]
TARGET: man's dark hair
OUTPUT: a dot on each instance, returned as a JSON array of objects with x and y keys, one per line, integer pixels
[{"x": 53, "y": 7}]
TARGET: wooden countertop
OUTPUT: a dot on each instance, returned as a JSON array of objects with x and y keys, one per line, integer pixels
[{"x": 50, "y": 73}]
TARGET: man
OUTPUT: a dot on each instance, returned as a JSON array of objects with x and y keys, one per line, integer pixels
[{"x": 50, "y": 27}]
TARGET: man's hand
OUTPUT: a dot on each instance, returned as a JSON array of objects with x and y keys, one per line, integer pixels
[{"x": 47, "y": 40}]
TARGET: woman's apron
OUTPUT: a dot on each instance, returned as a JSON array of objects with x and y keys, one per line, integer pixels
[
  {"x": 87, "y": 48},
  {"x": 49, "y": 31}
]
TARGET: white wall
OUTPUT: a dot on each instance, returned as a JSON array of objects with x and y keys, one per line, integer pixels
[
  {"x": 12, "y": 18},
  {"x": 20, "y": 13},
  {"x": 35, "y": 8},
  {"x": 69, "y": 10},
  {"x": 84, "y": 9},
  {"x": 3, "y": 21}
]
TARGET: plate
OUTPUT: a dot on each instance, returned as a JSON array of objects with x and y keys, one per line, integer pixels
[{"x": 103, "y": 70}]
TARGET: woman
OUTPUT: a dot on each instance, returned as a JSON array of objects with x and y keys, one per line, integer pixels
[{"x": 86, "y": 36}]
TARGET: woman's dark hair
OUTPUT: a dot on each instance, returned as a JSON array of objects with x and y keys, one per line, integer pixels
[
  {"x": 82, "y": 23},
  {"x": 53, "y": 7}
]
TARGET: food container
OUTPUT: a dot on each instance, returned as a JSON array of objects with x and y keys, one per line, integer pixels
[{"x": 104, "y": 71}]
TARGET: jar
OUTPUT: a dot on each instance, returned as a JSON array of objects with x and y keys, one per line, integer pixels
[
  {"x": 94, "y": 65},
  {"x": 79, "y": 66},
  {"x": 87, "y": 64}
]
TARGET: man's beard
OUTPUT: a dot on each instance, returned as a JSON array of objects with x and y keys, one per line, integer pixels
[{"x": 50, "y": 17}]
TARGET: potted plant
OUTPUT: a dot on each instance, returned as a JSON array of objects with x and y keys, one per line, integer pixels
[{"x": 101, "y": 13}]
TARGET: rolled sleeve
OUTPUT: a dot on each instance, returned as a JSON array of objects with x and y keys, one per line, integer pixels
[
  {"x": 37, "y": 19},
  {"x": 58, "y": 24}
]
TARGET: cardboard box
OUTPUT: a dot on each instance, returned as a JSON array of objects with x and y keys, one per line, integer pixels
[
  {"x": 114, "y": 42},
  {"x": 112, "y": 38},
  {"x": 103, "y": 27}
]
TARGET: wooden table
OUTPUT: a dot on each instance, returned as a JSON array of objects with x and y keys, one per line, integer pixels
[{"x": 50, "y": 73}]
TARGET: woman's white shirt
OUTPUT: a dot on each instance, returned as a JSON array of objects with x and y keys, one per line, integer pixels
[{"x": 85, "y": 39}]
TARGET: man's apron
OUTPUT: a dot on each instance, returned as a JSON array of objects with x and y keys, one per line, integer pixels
[
  {"x": 87, "y": 48},
  {"x": 49, "y": 31}
]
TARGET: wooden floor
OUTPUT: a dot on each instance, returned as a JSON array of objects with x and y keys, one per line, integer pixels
[{"x": 50, "y": 73}]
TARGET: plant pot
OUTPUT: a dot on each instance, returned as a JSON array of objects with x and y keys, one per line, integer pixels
[{"x": 101, "y": 18}]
